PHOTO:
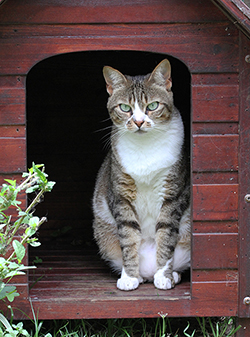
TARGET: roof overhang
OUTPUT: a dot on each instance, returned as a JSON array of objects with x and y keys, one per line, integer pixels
[{"x": 238, "y": 12}]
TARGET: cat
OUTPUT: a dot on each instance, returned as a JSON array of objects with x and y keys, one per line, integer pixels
[{"x": 141, "y": 201}]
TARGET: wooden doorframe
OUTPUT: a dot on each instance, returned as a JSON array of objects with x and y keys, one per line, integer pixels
[{"x": 244, "y": 188}]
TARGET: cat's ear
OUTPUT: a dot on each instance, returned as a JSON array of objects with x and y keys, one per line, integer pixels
[
  {"x": 114, "y": 79},
  {"x": 162, "y": 74}
]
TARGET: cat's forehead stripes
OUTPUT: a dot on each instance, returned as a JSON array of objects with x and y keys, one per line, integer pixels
[{"x": 138, "y": 92}]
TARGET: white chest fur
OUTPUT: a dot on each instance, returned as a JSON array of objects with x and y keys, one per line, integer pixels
[{"x": 148, "y": 157}]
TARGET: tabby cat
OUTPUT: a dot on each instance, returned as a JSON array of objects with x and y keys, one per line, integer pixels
[{"x": 141, "y": 201}]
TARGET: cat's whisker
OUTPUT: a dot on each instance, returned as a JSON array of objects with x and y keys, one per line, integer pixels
[{"x": 103, "y": 129}]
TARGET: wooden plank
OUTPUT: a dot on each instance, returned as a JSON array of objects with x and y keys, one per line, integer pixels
[
  {"x": 215, "y": 153},
  {"x": 215, "y": 227},
  {"x": 215, "y": 251},
  {"x": 12, "y": 100},
  {"x": 220, "y": 298},
  {"x": 12, "y": 114},
  {"x": 217, "y": 275},
  {"x": 23, "y": 46},
  {"x": 13, "y": 131},
  {"x": 212, "y": 293},
  {"x": 222, "y": 79},
  {"x": 214, "y": 128},
  {"x": 215, "y": 178},
  {"x": 13, "y": 155},
  {"x": 108, "y": 11},
  {"x": 244, "y": 180},
  {"x": 215, "y": 202},
  {"x": 215, "y": 103}
]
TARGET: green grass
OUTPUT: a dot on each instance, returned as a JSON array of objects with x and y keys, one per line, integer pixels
[{"x": 159, "y": 327}]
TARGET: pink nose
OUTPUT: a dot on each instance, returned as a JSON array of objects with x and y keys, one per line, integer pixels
[{"x": 139, "y": 123}]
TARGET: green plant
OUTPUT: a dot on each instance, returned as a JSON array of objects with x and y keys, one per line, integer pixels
[
  {"x": 222, "y": 328},
  {"x": 24, "y": 225}
]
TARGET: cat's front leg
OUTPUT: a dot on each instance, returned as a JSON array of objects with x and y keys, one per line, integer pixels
[
  {"x": 130, "y": 238},
  {"x": 166, "y": 239}
]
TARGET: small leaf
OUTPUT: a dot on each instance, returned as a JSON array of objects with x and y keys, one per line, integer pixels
[
  {"x": 35, "y": 244},
  {"x": 12, "y": 295},
  {"x": 34, "y": 221},
  {"x": 19, "y": 250},
  {"x": 11, "y": 182},
  {"x": 32, "y": 189}
]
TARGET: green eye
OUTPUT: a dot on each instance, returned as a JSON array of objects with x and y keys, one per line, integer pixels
[
  {"x": 153, "y": 106},
  {"x": 125, "y": 108}
]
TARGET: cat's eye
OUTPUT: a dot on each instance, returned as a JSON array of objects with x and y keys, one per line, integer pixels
[
  {"x": 153, "y": 106},
  {"x": 125, "y": 107}
]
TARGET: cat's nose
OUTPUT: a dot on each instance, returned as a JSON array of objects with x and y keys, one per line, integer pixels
[{"x": 138, "y": 123}]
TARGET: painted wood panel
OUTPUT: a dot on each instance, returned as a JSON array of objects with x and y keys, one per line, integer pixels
[
  {"x": 215, "y": 251},
  {"x": 215, "y": 103},
  {"x": 215, "y": 202},
  {"x": 12, "y": 100},
  {"x": 13, "y": 155},
  {"x": 23, "y": 46},
  {"x": 215, "y": 152},
  {"x": 199, "y": 178},
  {"x": 211, "y": 128},
  {"x": 215, "y": 227},
  {"x": 244, "y": 180},
  {"x": 108, "y": 11}
]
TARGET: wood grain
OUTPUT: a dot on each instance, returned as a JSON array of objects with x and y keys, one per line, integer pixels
[
  {"x": 23, "y": 46},
  {"x": 215, "y": 103},
  {"x": 244, "y": 180},
  {"x": 13, "y": 155},
  {"x": 215, "y": 251},
  {"x": 215, "y": 153},
  {"x": 108, "y": 11},
  {"x": 215, "y": 202}
]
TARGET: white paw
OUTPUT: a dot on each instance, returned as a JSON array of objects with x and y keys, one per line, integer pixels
[
  {"x": 177, "y": 277},
  {"x": 128, "y": 283},
  {"x": 162, "y": 282}
]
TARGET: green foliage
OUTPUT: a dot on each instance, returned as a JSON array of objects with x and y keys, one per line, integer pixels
[
  {"x": 16, "y": 234},
  {"x": 224, "y": 327}
]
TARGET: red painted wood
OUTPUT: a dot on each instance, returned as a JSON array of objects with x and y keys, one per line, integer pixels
[
  {"x": 12, "y": 99},
  {"x": 244, "y": 180},
  {"x": 215, "y": 227},
  {"x": 13, "y": 155},
  {"x": 215, "y": 178},
  {"x": 215, "y": 128},
  {"x": 217, "y": 275},
  {"x": 238, "y": 12},
  {"x": 215, "y": 251},
  {"x": 16, "y": 131},
  {"x": 217, "y": 78},
  {"x": 215, "y": 103},
  {"x": 23, "y": 46},
  {"x": 215, "y": 202},
  {"x": 108, "y": 11},
  {"x": 212, "y": 293},
  {"x": 215, "y": 153}
]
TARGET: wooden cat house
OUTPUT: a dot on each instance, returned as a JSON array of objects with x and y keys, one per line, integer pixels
[{"x": 53, "y": 111}]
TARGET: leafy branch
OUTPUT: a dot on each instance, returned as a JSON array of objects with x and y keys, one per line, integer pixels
[{"x": 35, "y": 182}]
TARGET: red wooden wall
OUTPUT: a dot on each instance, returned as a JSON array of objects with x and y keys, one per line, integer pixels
[{"x": 213, "y": 49}]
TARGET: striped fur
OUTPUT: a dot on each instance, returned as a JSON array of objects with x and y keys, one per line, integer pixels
[{"x": 141, "y": 201}]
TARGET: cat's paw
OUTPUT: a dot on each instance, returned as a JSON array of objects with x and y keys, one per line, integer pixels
[
  {"x": 163, "y": 282},
  {"x": 128, "y": 283}
]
